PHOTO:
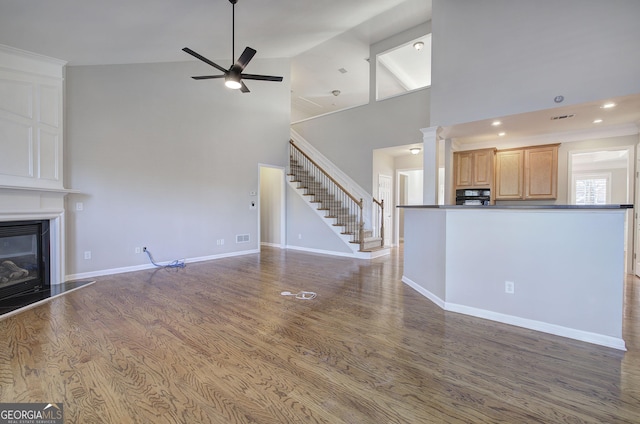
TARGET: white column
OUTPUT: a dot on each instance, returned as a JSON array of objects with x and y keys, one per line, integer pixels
[{"x": 430, "y": 150}]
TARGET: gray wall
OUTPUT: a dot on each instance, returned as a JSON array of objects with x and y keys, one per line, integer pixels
[
  {"x": 503, "y": 57},
  {"x": 166, "y": 162},
  {"x": 308, "y": 231},
  {"x": 348, "y": 138}
]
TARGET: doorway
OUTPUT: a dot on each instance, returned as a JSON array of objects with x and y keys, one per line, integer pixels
[
  {"x": 271, "y": 206},
  {"x": 605, "y": 176},
  {"x": 410, "y": 183}
]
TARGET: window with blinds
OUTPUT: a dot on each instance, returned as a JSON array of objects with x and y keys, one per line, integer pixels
[{"x": 592, "y": 189}]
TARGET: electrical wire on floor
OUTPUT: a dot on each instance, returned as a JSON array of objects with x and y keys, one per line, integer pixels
[
  {"x": 303, "y": 295},
  {"x": 178, "y": 263}
]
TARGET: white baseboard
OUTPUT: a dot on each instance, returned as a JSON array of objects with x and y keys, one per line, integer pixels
[
  {"x": 557, "y": 330},
  {"x": 322, "y": 252},
  {"x": 426, "y": 293},
  {"x": 122, "y": 270}
]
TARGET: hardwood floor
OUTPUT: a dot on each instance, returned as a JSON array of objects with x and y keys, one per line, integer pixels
[{"x": 216, "y": 342}]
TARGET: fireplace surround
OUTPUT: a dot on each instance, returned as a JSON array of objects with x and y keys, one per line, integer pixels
[{"x": 31, "y": 161}]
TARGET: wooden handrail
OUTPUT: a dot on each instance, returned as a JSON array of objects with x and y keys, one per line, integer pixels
[{"x": 360, "y": 202}]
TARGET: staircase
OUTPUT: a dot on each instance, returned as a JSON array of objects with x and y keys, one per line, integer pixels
[{"x": 341, "y": 209}]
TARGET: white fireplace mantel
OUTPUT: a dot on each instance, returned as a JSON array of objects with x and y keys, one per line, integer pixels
[{"x": 31, "y": 145}]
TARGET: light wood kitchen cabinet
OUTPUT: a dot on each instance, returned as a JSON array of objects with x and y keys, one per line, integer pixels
[
  {"x": 509, "y": 174},
  {"x": 474, "y": 168},
  {"x": 528, "y": 173},
  {"x": 541, "y": 172}
]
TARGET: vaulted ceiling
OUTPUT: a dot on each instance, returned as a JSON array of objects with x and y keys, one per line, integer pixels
[{"x": 327, "y": 35}]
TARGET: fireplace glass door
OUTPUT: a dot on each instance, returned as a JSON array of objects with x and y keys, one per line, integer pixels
[{"x": 24, "y": 263}]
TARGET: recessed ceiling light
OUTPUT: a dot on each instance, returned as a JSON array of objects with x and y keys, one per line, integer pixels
[
  {"x": 502, "y": 134},
  {"x": 418, "y": 45},
  {"x": 496, "y": 123},
  {"x": 608, "y": 105},
  {"x": 597, "y": 121}
]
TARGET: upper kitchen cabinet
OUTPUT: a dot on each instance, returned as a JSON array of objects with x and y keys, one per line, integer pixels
[
  {"x": 474, "y": 168},
  {"x": 527, "y": 173},
  {"x": 509, "y": 174},
  {"x": 541, "y": 172}
]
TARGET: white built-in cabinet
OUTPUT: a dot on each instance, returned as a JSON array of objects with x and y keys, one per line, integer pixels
[{"x": 31, "y": 118}]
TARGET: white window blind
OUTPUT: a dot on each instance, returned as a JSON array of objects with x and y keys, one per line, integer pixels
[{"x": 591, "y": 190}]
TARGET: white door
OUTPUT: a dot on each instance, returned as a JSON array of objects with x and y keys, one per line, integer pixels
[{"x": 385, "y": 193}]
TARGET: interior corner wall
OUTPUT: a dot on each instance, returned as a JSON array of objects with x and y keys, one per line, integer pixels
[
  {"x": 503, "y": 57},
  {"x": 388, "y": 44},
  {"x": 166, "y": 162},
  {"x": 348, "y": 138}
]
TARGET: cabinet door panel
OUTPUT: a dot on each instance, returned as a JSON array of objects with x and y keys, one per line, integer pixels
[
  {"x": 464, "y": 168},
  {"x": 541, "y": 170},
  {"x": 509, "y": 170},
  {"x": 483, "y": 168}
]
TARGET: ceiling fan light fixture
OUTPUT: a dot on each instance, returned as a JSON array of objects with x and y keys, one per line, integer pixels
[{"x": 232, "y": 81}]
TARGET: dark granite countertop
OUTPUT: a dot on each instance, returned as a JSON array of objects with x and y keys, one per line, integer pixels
[{"x": 520, "y": 207}]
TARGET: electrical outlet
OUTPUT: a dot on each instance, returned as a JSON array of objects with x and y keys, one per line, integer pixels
[
  {"x": 252, "y": 205},
  {"x": 138, "y": 250},
  {"x": 87, "y": 254},
  {"x": 509, "y": 287},
  {"x": 79, "y": 206},
  {"x": 299, "y": 236}
]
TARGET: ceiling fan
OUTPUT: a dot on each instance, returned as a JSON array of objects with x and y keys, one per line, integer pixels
[{"x": 233, "y": 76}]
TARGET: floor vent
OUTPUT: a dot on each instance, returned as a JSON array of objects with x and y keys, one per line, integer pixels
[{"x": 242, "y": 238}]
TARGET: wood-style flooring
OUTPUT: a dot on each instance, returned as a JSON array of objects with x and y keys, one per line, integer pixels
[{"x": 216, "y": 342}]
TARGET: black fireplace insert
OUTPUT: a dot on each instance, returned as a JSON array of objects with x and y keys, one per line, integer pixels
[{"x": 24, "y": 258}]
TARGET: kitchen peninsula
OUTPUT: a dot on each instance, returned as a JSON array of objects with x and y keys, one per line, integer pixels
[{"x": 558, "y": 269}]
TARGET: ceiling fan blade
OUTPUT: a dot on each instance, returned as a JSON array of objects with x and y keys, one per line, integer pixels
[
  {"x": 261, "y": 77},
  {"x": 203, "y": 77},
  {"x": 204, "y": 59},
  {"x": 245, "y": 57},
  {"x": 243, "y": 87}
]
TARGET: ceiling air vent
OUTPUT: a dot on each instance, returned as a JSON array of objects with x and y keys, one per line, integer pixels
[{"x": 561, "y": 117}]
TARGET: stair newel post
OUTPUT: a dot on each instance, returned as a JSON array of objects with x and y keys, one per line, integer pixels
[
  {"x": 382, "y": 222},
  {"x": 361, "y": 229}
]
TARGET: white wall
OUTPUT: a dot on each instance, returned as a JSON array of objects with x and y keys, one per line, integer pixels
[
  {"x": 503, "y": 57},
  {"x": 349, "y": 137},
  {"x": 166, "y": 162}
]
